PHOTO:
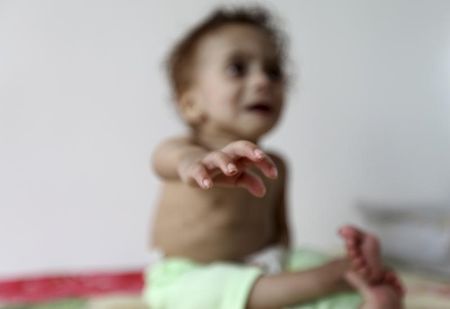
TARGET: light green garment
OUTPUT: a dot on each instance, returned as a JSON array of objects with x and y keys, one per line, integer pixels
[{"x": 176, "y": 283}]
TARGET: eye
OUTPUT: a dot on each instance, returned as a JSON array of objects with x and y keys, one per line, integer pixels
[
  {"x": 237, "y": 68},
  {"x": 274, "y": 72}
]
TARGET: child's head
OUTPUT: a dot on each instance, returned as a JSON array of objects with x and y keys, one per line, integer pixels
[{"x": 228, "y": 75}]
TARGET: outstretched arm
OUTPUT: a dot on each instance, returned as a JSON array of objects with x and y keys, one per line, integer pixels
[
  {"x": 169, "y": 154},
  {"x": 182, "y": 159}
]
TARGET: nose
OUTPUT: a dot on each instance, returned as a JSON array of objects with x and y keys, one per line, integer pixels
[{"x": 260, "y": 81}]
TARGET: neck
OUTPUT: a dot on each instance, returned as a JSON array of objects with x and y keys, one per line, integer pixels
[{"x": 217, "y": 140}]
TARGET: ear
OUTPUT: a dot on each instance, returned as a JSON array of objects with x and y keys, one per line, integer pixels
[{"x": 190, "y": 107}]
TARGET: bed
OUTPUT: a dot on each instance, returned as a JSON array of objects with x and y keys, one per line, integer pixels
[{"x": 115, "y": 290}]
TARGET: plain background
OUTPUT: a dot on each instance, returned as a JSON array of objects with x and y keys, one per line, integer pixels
[{"x": 84, "y": 101}]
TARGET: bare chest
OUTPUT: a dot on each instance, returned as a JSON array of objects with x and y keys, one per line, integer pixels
[
  {"x": 230, "y": 223},
  {"x": 223, "y": 206}
]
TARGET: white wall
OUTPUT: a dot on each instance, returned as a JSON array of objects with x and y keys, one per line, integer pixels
[{"x": 83, "y": 101}]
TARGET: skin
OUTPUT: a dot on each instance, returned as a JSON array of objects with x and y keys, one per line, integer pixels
[
  {"x": 223, "y": 197},
  {"x": 231, "y": 77}
]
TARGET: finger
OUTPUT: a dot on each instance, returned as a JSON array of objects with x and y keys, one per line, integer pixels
[
  {"x": 252, "y": 183},
  {"x": 198, "y": 174},
  {"x": 244, "y": 149},
  {"x": 219, "y": 159},
  {"x": 267, "y": 167},
  {"x": 247, "y": 180},
  {"x": 250, "y": 151}
]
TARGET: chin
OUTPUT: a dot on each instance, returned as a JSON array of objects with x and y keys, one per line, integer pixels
[{"x": 254, "y": 134}]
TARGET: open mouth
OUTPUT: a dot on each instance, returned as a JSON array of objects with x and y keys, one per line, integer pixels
[{"x": 260, "y": 108}]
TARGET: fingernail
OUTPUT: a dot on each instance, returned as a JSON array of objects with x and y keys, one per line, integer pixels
[
  {"x": 206, "y": 183},
  {"x": 231, "y": 168},
  {"x": 258, "y": 153},
  {"x": 274, "y": 172}
]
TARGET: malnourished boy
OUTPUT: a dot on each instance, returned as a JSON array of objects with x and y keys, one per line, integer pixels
[{"x": 223, "y": 196}]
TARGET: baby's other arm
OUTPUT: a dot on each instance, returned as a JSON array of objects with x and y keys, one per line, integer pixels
[{"x": 281, "y": 213}]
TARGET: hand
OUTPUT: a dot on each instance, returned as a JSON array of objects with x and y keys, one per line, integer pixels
[{"x": 230, "y": 167}]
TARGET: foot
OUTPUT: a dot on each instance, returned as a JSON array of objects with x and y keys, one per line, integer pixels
[
  {"x": 363, "y": 251},
  {"x": 384, "y": 295},
  {"x": 390, "y": 278}
]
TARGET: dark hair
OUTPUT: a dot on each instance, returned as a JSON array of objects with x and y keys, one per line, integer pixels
[{"x": 180, "y": 60}]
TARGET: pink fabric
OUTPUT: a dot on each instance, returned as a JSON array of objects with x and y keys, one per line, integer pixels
[{"x": 48, "y": 288}]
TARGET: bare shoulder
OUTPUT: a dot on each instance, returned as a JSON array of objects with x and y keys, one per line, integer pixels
[
  {"x": 178, "y": 140},
  {"x": 172, "y": 143},
  {"x": 168, "y": 145}
]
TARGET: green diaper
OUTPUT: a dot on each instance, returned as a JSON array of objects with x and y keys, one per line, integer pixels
[{"x": 176, "y": 283}]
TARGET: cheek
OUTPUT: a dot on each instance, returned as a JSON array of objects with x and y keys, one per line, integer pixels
[
  {"x": 224, "y": 95},
  {"x": 280, "y": 94},
  {"x": 233, "y": 93}
]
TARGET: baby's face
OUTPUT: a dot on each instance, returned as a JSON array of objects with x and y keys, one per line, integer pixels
[{"x": 238, "y": 82}]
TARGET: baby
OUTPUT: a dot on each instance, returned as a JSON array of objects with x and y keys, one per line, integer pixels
[{"x": 223, "y": 197}]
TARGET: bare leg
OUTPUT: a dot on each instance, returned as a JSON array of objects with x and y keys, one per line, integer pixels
[
  {"x": 362, "y": 269},
  {"x": 363, "y": 251},
  {"x": 290, "y": 288},
  {"x": 385, "y": 295}
]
